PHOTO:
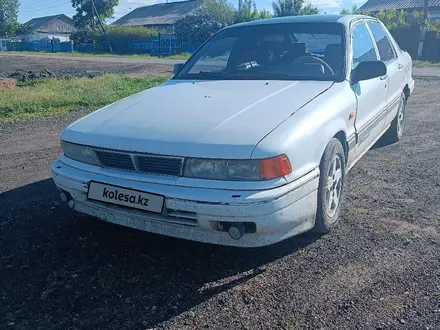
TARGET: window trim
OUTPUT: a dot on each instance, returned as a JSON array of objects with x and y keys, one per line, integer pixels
[
  {"x": 352, "y": 27},
  {"x": 375, "y": 43}
]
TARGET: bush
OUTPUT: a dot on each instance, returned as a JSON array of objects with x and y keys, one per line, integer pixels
[
  {"x": 116, "y": 33},
  {"x": 82, "y": 37},
  {"x": 198, "y": 27},
  {"x": 399, "y": 19}
]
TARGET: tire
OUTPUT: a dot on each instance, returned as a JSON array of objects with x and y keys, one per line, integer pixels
[
  {"x": 395, "y": 132},
  {"x": 331, "y": 187}
]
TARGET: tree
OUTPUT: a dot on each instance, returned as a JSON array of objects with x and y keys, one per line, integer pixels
[
  {"x": 212, "y": 16},
  {"x": 86, "y": 17},
  {"x": 309, "y": 9},
  {"x": 8, "y": 18},
  {"x": 197, "y": 27},
  {"x": 264, "y": 13},
  {"x": 220, "y": 10},
  {"x": 354, "y": 10},
  {"x": 293, "y": 8},
  {"x": 247, "y": 11},
  {"x": 399, "y": 19}
]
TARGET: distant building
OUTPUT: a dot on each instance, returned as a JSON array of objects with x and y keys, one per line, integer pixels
[
  {"x": 161, "y": 15},
  {"x": 49, "y": 27},
  {"x": 406, "y": 5}
]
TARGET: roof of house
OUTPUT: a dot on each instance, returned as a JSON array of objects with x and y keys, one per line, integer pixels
[
  {"x": 378, "y": 5},
  {"x": 42, "y": 24},
  {"x": 158, "y": 14}
]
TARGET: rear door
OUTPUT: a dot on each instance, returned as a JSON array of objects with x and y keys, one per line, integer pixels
[
  {"x": 395, "y": 66},
  {"x": 371, "y": 94}
]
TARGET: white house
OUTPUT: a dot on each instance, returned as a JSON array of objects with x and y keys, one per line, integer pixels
[{"x": 51, "y": 27}]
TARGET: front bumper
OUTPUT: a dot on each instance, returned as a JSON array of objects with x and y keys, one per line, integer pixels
[{"x": 194, "y": 213}]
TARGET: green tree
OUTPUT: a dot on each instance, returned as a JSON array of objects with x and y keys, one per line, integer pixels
[
  {"x": 309, "y": 9},
  {"x": 393, "y": 19},
  {"x": 264, "y": 13},
  {"x": 8, "y": 18},
  {"x": 86, "y": 17},
  {"x": 293, "y": 8},
  {"x": 197, "y": 27},
  {"x": 354, "y": 10},
  {"x": 212, "y": 16},
  {"x": 247, "y": 11},
  {"x": 221, "y": 11},
  {"x": 399, "y": 19}
]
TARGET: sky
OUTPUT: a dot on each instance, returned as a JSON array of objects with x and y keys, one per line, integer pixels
[{"x": 37, "y": 8}]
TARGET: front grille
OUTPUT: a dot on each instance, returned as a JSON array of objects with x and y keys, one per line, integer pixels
[
  {"x": 151, "y": 164},
  {"x": 117, "y": 160},
  {"x": 160, "y": 165}
]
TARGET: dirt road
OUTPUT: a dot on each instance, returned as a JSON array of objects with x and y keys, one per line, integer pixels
[
  {"x": 11, "y": 63},
  {"x": 380, "y": 269}
]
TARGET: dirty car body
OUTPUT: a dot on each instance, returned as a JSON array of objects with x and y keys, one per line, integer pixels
[{"x": 249, "y": 143}]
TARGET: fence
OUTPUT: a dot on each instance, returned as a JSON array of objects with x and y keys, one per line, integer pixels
[
  {"x": 45, "y": 45},
  {"x": 408, "y": 39},
  {"x": 162, "y": 45},
  {"x": 168, "y": 44}
]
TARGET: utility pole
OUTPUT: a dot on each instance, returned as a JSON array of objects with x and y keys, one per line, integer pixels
[
  {"x": 425, "y": 9},
  {"x": 102, "y": 26},
  {"x": 423, "y": 29}
]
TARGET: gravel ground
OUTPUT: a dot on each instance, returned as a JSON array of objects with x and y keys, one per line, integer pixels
[{"x": 380, "y": 269}]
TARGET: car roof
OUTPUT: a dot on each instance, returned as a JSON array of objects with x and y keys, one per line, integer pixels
[{"x": 344, "y": 19}]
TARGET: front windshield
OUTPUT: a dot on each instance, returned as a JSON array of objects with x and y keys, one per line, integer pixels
[{"x": 286, "y": 51}]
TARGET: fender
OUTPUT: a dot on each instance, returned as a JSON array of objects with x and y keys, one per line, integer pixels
[{"x": 304, "y": 136}]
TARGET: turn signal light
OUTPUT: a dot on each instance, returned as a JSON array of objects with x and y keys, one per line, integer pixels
[{"x": 272, "y": 168}]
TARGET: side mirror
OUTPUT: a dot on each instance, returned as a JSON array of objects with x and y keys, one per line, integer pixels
[
  {"x": 368, "y": 70},
  {"x": 177, "y": 67}
]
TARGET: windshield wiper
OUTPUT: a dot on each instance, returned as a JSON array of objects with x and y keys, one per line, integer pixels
[
  {"x": 210, "y": 74},
  {"x": 262, "y": 76}
]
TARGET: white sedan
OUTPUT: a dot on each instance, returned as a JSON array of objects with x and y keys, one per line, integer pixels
[{"x": 250, "y": 142}]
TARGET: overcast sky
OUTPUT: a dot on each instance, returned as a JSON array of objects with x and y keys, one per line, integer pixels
[{"x": 38, "y": 8}]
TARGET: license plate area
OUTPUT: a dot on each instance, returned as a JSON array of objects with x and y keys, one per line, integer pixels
[{"x": 116, "y": 195}]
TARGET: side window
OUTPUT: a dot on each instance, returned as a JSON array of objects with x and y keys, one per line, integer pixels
[
  {"x": 363, "y": 47},
  {"x": 384, "y": 46}
]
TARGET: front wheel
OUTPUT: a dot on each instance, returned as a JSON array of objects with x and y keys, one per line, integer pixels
[{"x": 331, "y": 187}]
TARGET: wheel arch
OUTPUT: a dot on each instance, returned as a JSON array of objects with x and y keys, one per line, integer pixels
[
  {"x": 342, "y": 137},
  {"x": 406, "y": 91}
]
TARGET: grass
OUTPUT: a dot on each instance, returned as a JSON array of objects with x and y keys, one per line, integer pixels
[
  {"x": 426, "y": 64},
  {"x": 183, "y": 56},
  {"x": 50, "y": 97}
]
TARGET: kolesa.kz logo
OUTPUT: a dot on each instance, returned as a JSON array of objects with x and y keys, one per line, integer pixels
[{"x": 110, "y": 194}]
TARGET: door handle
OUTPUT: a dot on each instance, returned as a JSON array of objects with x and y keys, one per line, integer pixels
[{"x": 400, "y": 66}]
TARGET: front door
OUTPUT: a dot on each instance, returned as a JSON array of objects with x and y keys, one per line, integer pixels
[
  {"x": 394, "y": 65},
  {"x": 371, "y": 94}
]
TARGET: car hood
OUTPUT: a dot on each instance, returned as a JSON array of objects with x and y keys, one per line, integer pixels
[{"x": 212, "y": 119}]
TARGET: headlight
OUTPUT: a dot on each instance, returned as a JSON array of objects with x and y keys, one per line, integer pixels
[
  {"x": 79, "y": 153},
  {"x": 237, "y": 170},
  {"x": 222, "y": 169}
]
